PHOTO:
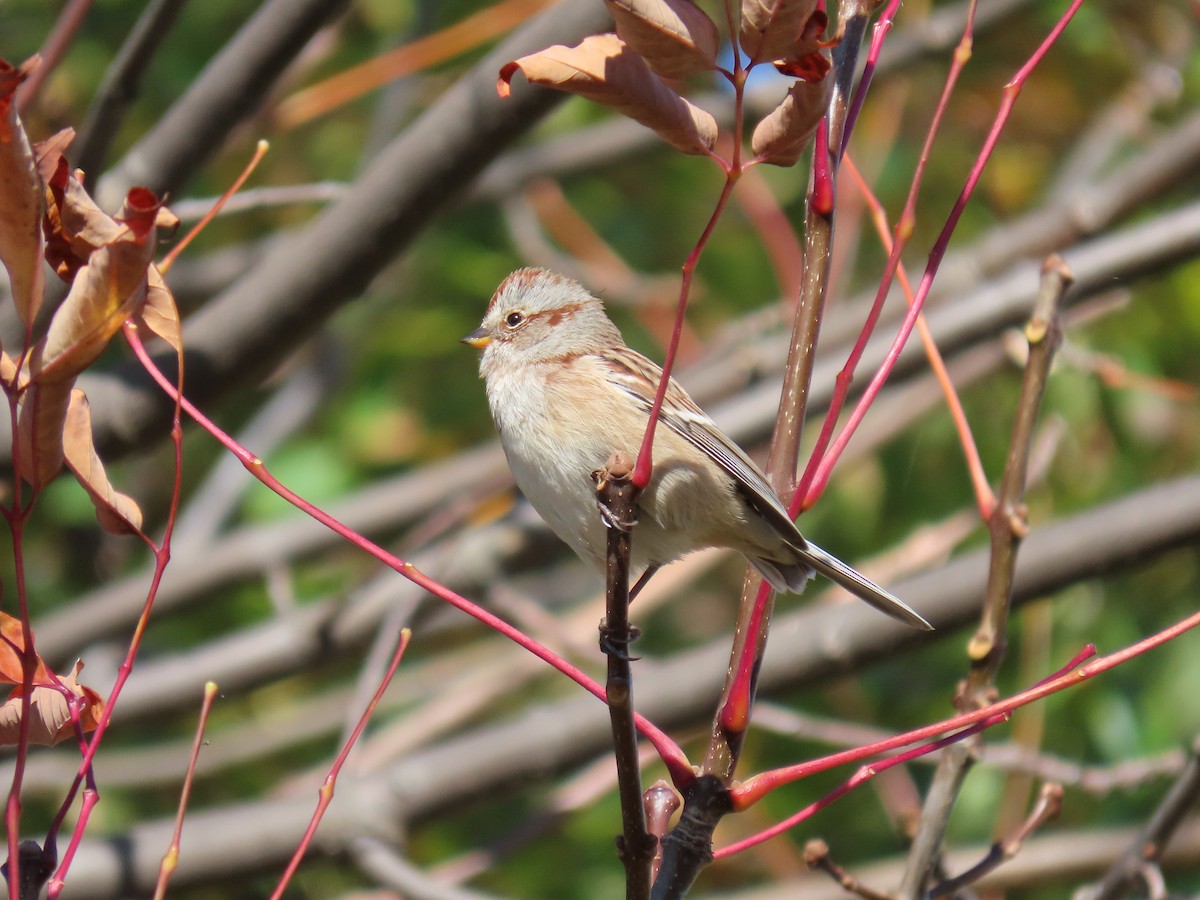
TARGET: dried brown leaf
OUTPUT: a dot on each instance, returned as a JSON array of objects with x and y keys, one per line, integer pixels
[
  {"x": 603, "y": 69},
  {"x": 20, "y": 198},
  {"x": 160, "y": 315},
  {"x": 118, "y": 513},
  {"x": 781, "y": 137},
  {"x": 675, "y": 37},
  {"x": 75, "y": 225},
  {"x": 50, "y": 712},
  {"x": 40, "y": 419},
  {"x": 106, "y": 291},
  {"x": 772, "y": 29},
  {"x": 12, "y": 643}
]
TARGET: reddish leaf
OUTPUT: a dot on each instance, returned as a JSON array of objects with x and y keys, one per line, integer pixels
[
  {"x": 772, "y": 29},
  {"x": 20, "y": 198},
  {"x": 117, "y": 512},
  {"x": 12, "y": 642},
  {"x": 603, "y": 69},
  {"x": 675, "y": 37},
  {"x": 40, "y": 420},
  {"x": 106, "y": 291},
  {"x": 75, "y": 225},
  {"x": 49, "y": 711},
  {"x": 784, "y": 133}
]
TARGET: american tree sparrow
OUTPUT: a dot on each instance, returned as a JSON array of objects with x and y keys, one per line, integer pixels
[{"x": 566, "y": 392}]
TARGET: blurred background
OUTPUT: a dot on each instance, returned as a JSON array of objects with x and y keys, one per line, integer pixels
[{"x": 341, "y": 368}]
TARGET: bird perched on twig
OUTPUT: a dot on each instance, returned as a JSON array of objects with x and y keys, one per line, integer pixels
[{"x": 565, "y": 392}]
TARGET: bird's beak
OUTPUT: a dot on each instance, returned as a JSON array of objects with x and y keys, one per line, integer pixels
[{"x": 477, "y": 339}]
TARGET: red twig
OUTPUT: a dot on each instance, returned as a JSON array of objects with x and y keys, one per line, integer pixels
[
  {"x": 863, "y": 775},
  {"x": 903, "y": 231},
  {"x": 645, "y": 460},
  {"x": 260, "y": 150},
  {"x": 818, "y": 475},
  {"x": 755, "y": 788},
  {"x": 733, "y": 170},
  {"x": 326, "y": 791},
  {"x": 171, "y": 857},
  {"x": 162, "y": 556},
  {"x": 985, "y": 498}
]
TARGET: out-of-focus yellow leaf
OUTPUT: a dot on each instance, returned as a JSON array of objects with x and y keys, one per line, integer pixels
[
  {"x": 118, "y": 513},
  {"x": 675, "y": 37},
  {"x": 603, "y": 69},
  {"x": 20, "y": 198},
  {"x": 788, "y": 129},
  {"x": 771, "y": 29}
]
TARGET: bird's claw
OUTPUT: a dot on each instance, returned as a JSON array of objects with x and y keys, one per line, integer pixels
[{"x": 615, "y": 642}]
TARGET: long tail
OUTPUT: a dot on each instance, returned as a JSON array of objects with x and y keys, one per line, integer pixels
[
  {"x": 863, "y": 588},
  {"x": 793, "y": 577}
]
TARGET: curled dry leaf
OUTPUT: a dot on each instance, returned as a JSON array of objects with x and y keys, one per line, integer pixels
[
  {"x": 106, "y": 291},
  {"x": 160, "y": 315},
  {"x": 786, "y": 131},
  {"x": 50, "y": 711},
  {"x": 771, "y": 29},
  {"x": 118, "y": 513},
  {"x": 75, "y": 225},
  {"x": 20, "y": 198},
  {"x": 675, "y": 37},
  {"x": 603, "y": 69}
]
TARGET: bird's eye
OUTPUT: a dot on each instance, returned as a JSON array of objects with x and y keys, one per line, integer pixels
[{"x": 514, "y": 319}]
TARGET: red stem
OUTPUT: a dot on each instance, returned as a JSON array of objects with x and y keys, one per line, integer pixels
[
  {"x": 805, "y": 494},
  {"x": 325, "y": 795},
  {"x": 755, "y": 788},
  {"x": 645, "y": 461},
  {"x": 863, "y": 775},
  {"x": 818, "y": 476},
  {"x": 162, "y": 556}
]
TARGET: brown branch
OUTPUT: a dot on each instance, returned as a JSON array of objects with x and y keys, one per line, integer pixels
[
  {"x": 1007, "y": 527},
  {"x": 121, "y": 84},
  {"x": 232, "y": 87},
  {"x": 817, "y": 856},
  {"x": 1148, "y": 848},
  {"x": 616, "y": 495},
  {"x": 1048, "y": 806}
]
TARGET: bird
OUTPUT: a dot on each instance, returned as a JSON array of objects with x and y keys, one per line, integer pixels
[{"x": 565, "y": 392}]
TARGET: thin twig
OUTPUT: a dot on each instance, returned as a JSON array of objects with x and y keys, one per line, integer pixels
[
  {"x": 1148, "y": 849},
  {"x": 1048, "y": 806},
  {"x": 817, "y": 856},
  {"x": 171, "y": 858},
  {"x": 1007, "y": 526},
  {"x": 325, "y": 794},
  {"x": 616, "y": 495}
]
